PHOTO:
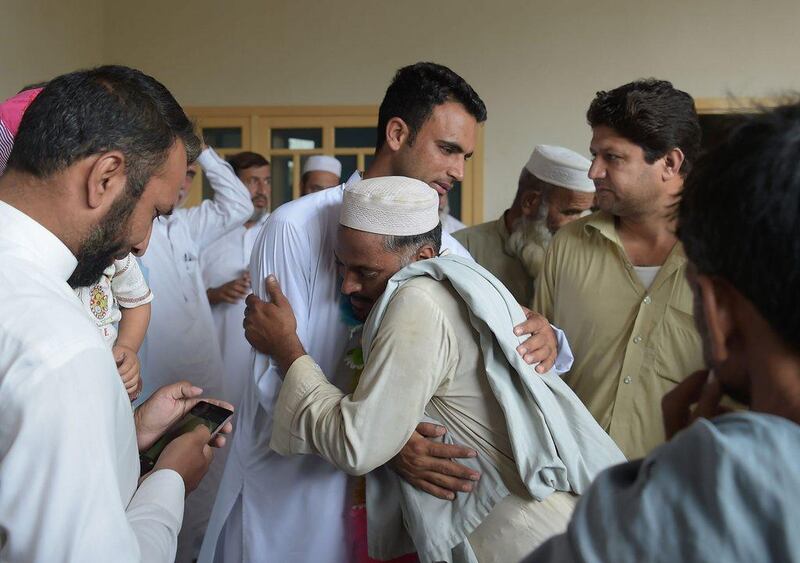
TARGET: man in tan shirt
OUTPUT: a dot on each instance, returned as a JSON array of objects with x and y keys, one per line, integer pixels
[
  {"x": 553, "y": 190},
  {"x": 615, "y": 281},
  {"x": 431, "y": 348}
]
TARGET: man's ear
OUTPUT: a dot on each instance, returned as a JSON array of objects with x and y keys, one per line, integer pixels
[
  {"x": 425, "y": 251},
  {"x": 718, "y": 303},
  {"x": 530, "y": 203},
  {"x": 397, "y": 133},
  {"x": 106, "y": 179},
  {"x": 673, "y": 161}
]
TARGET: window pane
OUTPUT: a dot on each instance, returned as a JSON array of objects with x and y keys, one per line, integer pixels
[
  {"x": 348, "y": 165},
  {"x": 282, "y": 168},
  {"x": 354, "y": 137},
  {"x": 296, "y": 138},
  {"x": 223, "y": 137}
]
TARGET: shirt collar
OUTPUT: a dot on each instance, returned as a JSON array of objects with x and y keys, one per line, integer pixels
[
  {"x": 36, "y": 242},
  {"x": 354, "y": 178},
  {"x": 603, "y": 223}
]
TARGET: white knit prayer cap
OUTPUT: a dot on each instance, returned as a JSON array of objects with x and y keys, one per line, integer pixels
[
  {"x": 390, "y": 205},
  {"x": 561, "y": 167},
  {"x": 323, "y": 163}
]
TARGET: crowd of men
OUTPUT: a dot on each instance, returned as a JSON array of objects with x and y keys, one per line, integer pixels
[{"x": 609, "y": 371}]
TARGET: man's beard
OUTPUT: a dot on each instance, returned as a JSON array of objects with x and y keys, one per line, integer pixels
[
  {"x": 258, "y": 214},
  {"x": 103, "y": 243},
  {"x": 529, "y": 241}
]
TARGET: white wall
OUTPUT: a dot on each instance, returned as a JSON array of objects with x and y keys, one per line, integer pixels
[{"x": 536, "y": 64}]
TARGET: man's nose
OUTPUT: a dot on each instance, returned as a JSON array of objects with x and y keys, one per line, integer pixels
[
  {"x": 596, "y": 170},
  {"x": 457, "y": 169},
  {"x": 349, "y": 284}
]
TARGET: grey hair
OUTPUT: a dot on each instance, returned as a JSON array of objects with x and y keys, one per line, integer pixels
[{"x": 406, "y": 246}]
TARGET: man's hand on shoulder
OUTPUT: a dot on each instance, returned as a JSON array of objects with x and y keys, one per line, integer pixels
[
  {"x": 271, "y": 328},
  {"x": 428, "y": 465},
  {"x": 542, "y": 344}
]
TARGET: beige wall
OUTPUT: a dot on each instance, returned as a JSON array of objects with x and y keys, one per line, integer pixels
[
  {"x": 536, "y": 64},
  {"x": 41, "y": 39}
]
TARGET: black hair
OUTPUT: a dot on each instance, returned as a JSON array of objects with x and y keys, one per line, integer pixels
[
  {"x": 399, "y": 244},
  {"x": 102, "y": 109},
  {"x": 416, "y": 90},
  {"x": 652, "y": 114},
  {"x": 739, "y": 215},
  {"x": 244, "y": 160}
]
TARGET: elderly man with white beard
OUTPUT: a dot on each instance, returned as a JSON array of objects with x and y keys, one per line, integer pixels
[{"x": 553, "y": 189}]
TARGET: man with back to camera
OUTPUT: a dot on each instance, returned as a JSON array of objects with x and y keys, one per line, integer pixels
[
  {"x": 426, "y": 130},
  {"x": 725, "y": 487},
  {"x": 615, "y": 281},
  {"x": 98, "y": 155}
]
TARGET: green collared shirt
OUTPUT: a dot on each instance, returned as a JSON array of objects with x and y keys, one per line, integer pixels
[
  {"x": 487, "y": 245},
  {"x": 631, "y": 344}
]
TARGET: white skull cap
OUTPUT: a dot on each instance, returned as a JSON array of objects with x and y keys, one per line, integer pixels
[
  {"x": 561, "y": 167},
  {"x": 390, "y": 205}
]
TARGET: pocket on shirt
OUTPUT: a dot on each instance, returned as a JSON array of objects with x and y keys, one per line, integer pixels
[{"x": 677, "y": 346}]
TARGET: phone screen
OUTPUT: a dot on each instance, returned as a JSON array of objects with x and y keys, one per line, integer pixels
[{"x": 205, "y": 413}]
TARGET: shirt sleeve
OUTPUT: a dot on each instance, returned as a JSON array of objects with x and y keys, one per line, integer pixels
[
  {"x": 543, "y": 304},
  {"x": 231, "y": 205},
  {"x": 284, "y": 250},
  {"x": 66, "y": 480},
  {"x": 128, "y": 284},
  {"x": 362, "y": 431}
]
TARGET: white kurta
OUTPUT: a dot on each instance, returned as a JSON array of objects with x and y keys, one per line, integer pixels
[
  {"x": 225, "y": 260},
  {"x": 281, "y": 498},
  {"x": 450, "y": 224},
  {"x": 181, "y": 339},
  {"x": 69, "y": 462}
]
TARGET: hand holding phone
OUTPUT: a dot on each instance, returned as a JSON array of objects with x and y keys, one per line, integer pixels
[
  {"x": 189, "y": 455},
  {"x": 211, "y": 416}
]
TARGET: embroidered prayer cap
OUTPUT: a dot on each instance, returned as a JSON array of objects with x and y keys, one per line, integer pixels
[
  {"x": 390, "y": 205},
  {"x": 323, "y": 163},
  {"x": 561, "y": 167},
  {"x": 11, "y": 112}
]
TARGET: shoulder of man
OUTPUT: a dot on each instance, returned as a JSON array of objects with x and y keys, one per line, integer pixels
[{"x": 464, "y": 236}]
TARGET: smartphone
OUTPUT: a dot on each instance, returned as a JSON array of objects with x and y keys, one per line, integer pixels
[{"x": 211, "y": 416}]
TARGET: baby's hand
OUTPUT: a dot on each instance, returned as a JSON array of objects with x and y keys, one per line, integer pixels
[{"x": 128, "y": 367}]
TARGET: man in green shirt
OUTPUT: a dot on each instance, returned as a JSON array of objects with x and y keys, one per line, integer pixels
[{"x": 615, "y": 281}]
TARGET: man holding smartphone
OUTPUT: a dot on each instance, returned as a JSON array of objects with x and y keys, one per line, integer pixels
[{"x": 98, "y": 155}]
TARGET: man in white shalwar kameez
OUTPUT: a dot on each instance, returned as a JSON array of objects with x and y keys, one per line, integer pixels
[
  {"x": 267, "y": 503},
  {"x": 181, "y": 339},
  {"x": 225, "y": 264},
  {"x": 115, "y": 153}
]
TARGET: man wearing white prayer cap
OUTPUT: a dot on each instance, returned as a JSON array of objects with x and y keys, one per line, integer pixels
[
  {"x": 553, "y": 189},
  {"x": 427, "y": 127},
  {"x": 457, "y": 367},
  {"x": 320, "y": 172}
]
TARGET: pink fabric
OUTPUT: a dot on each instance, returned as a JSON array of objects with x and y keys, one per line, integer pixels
[
  {"x": 358, "y": 539},
  {"x": 12, "y": 110}
]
